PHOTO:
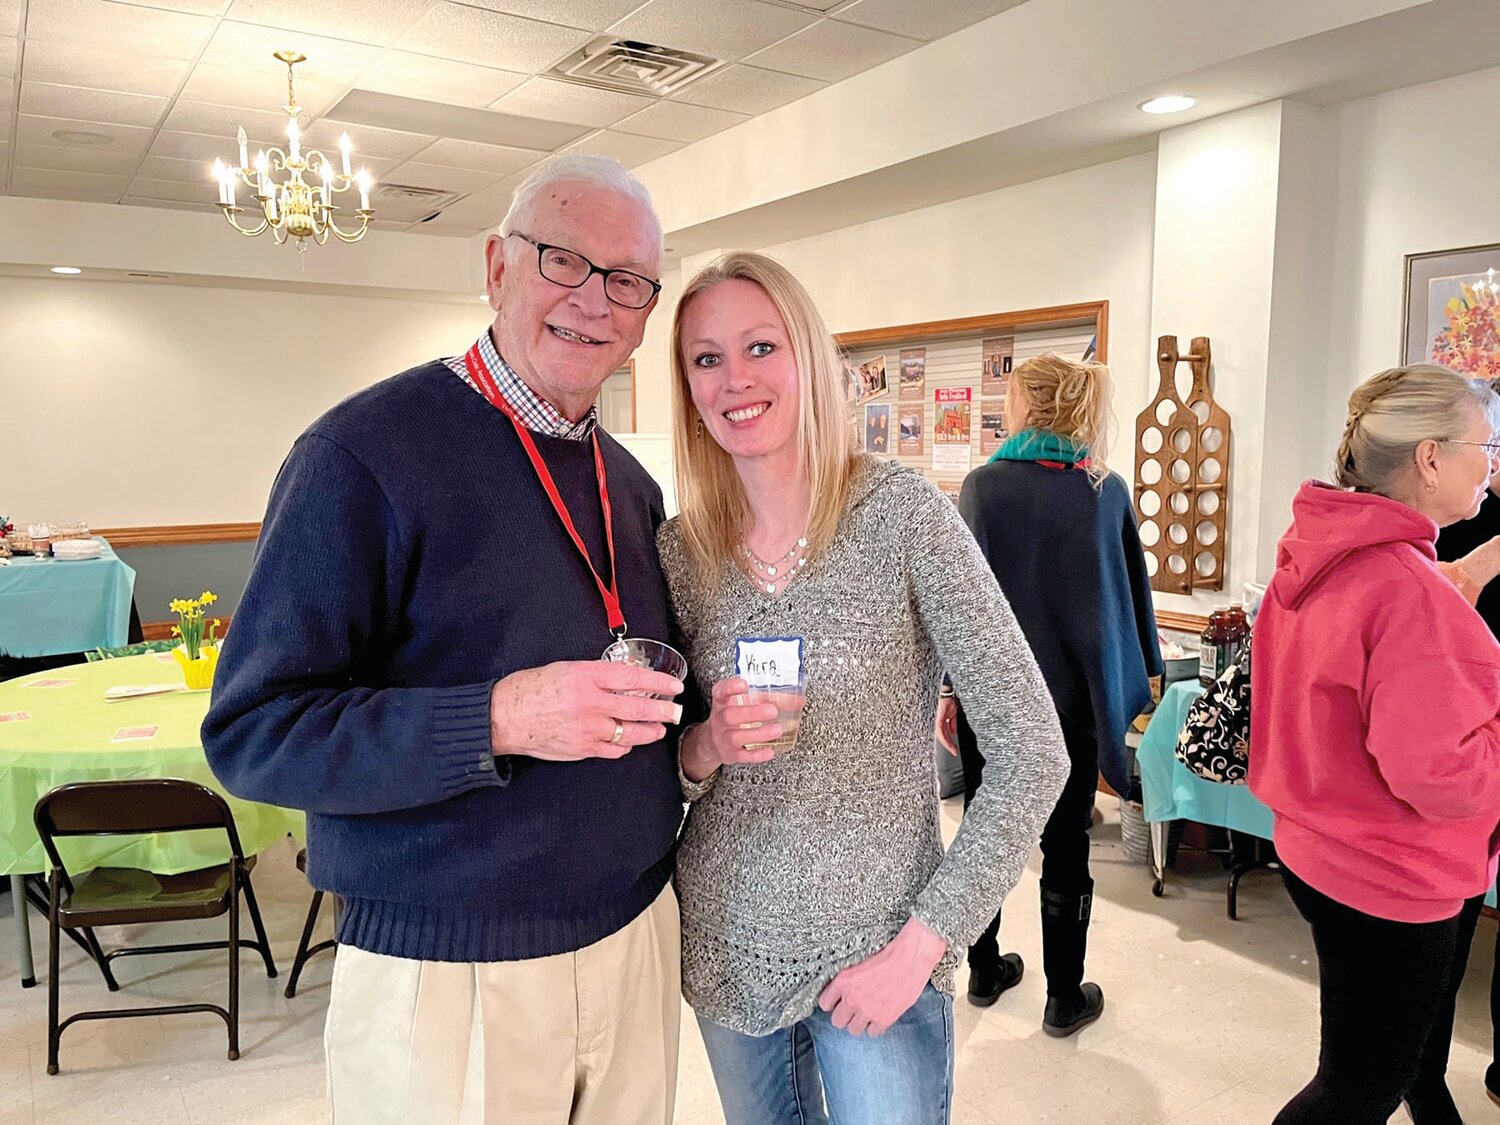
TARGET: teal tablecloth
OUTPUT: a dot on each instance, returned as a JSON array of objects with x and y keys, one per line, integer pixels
[
  {"x": 49, "y": 606},
  {"x": 1170, "y": 791}
]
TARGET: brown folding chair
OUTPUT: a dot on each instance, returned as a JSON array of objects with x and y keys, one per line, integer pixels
[
  {"x": 306, "y": 953},
  {"x": 122, "y": 896}
]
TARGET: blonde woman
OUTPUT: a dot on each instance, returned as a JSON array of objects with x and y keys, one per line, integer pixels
[
  {"x": 1046, "y": 506},
  {"x": 1374, "y": 738},
  {"x": 821, "y": 920}
]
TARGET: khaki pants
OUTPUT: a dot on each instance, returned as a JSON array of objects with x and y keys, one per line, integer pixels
[{"x": 584, "y": 1038}]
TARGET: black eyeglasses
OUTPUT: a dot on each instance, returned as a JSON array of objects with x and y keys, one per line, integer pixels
[{"x": 569, "y": 268}]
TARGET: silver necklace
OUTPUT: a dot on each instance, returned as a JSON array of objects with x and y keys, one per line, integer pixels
[{"x": 767, "y": 575}]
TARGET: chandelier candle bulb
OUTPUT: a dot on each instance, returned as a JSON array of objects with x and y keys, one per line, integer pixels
[
  {"x": 364, "y": 190},
  {"x": 262, "y": 177},
  {"x": 218, "y": 174},
  {"x": 244, "y": 162},
  {"x": 345, "y": 147}
]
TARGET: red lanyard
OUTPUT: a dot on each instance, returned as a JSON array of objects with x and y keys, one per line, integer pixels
[{"x": 479, "y": 371}]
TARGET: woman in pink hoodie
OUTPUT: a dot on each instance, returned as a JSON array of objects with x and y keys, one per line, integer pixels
[{"x": 1375, "y": 737}]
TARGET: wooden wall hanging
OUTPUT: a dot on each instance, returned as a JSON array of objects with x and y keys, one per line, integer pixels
[{"x": 1182, "y": 476}]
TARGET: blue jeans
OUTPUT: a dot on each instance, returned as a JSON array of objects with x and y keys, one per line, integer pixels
[{"x": 904, "y": 1077}]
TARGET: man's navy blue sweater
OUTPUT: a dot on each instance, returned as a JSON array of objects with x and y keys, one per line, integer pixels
[{"x": 409, "y": 559}]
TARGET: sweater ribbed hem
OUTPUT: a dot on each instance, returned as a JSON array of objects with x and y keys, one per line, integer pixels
[
  {"x": 463, "y": 755},
  {"x": 488, "y": 929}
]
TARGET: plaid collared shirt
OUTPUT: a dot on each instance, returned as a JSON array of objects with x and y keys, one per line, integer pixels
[{"x": 538, "y": 415}]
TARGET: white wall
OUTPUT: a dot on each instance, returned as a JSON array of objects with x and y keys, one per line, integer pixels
[
  {"x": 1082, "y": 236},
  {"x": 138, "y": 404},
  {"x": 1416, "y": 174}
]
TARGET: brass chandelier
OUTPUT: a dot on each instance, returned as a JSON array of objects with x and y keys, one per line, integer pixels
[{"x": 292, "y": 207}]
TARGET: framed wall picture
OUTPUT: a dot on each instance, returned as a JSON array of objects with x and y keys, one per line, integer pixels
[
  {"x": 1453, "y": 310},
  {"x": 872, "y": 382},
  {"x": 913, "y": 374},
  {"x": 878, "y": 428}
]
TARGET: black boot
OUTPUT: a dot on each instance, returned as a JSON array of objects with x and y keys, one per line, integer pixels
[
  {"x": 1071, "y": 1004},
  {"x": 986, "y": 983}
]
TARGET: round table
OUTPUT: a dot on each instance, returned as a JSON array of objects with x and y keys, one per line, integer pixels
[{"x": 57, "y": 726}]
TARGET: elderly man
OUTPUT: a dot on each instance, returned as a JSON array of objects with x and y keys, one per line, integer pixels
[{"x": 416, "y": 662}]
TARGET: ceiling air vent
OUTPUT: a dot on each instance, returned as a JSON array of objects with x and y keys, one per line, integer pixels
[
  {"x": 634, "y": 67},
  {"x": 408, "y": 203}
]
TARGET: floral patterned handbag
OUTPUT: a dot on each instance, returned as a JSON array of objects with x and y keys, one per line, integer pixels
[{"x": 1214, "y": 742}]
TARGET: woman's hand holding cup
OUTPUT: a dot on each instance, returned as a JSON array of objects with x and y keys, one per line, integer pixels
[{"x": 736, "y": 722}]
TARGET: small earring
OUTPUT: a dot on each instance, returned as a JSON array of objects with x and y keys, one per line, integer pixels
[
  {"x": 698, "y": 429},
  {"x": 1432, "y": 488}
]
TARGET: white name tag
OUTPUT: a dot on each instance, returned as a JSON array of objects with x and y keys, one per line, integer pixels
[{"x": 769, "y": 662}]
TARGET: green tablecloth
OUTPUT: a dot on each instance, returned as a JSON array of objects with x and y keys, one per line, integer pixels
[{"x": 69, "y": 737}]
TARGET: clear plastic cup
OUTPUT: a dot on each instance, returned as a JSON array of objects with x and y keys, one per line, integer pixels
[
  {"x": 789, "y": 700},
  {"x": 644, "y": 653}
]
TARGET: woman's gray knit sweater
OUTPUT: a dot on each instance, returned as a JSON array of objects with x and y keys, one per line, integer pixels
[{"x": 795, "y": 869}]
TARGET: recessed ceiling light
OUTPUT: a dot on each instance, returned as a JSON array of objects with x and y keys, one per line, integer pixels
[
  {"x": 1169, "y": 103},
  {"x": 82, "y": 137},
  {"x": 66, "y": 269}
]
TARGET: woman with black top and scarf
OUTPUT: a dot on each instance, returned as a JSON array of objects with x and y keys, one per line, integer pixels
[{"x": 1058, "y": 529}]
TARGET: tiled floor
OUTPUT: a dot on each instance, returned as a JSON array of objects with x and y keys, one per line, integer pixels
[{"x": 1207, "y": 1020}]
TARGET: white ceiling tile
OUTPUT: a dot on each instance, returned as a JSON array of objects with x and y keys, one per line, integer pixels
[
  {"x": 124, "y": 28},
  {"x": 382, "y": 224},
  {"x": 592, "y": 14},
  {"x": 61, "y": 159},
  {"x": 748, "y": 89},
  {"x": 193, "y": 7},
  {"x": 437, "y": 80},
  {"x": 725, "y": 29},
  {"x": 922, "y": 21},
  {"x": 552, "y": 100},
  {"x": 480, "y": 210},
  {"x": 202, "y": 147},
  {"x": 388, "y": 144},
  {"x": 161, "y": 204},
  {"x": 492, "y": 39},
  {"x": 223, "y": 120},
  {"x": 451, "y": 226},
  {"x": 436, "y": 176},
  {"x": 678, "y": 121},
  {"x": 32, "y": 181},
  {"x": 39, "y": 130},
  {"x": 363, "y": 21},
  {"x": 69, "y": 196},
  {"x": 9, "y": 53},
  {"x": 260, "y": 85},
  {"x": 627, "y": 148},
  {"x": 10, "y": 17},
  {"x": 480, "y": 158},
  {"x": 47, "y": 100},
  {"x": 502, "y": 191},
  {"x": 182, "y": 171},
  {"x": 833, "y": 51},
  {"x": 7, "y": 96},
  {"x": 336, "y": 61},
  {"x": 204, "y": 193},
  {"x": 106, "y": 68}
]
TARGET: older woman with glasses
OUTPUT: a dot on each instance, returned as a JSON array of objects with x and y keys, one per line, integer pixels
[{"x": 1376, "y": 742}]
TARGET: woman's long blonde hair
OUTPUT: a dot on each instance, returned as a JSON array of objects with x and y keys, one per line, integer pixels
[
  {"x": 709, "y": 493},
  {"x": 1396, "y": 410},
  {"x": 1070, "y": 398}
]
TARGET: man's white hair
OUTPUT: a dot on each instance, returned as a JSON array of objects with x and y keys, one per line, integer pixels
[{"x": 604, "y": 172}]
